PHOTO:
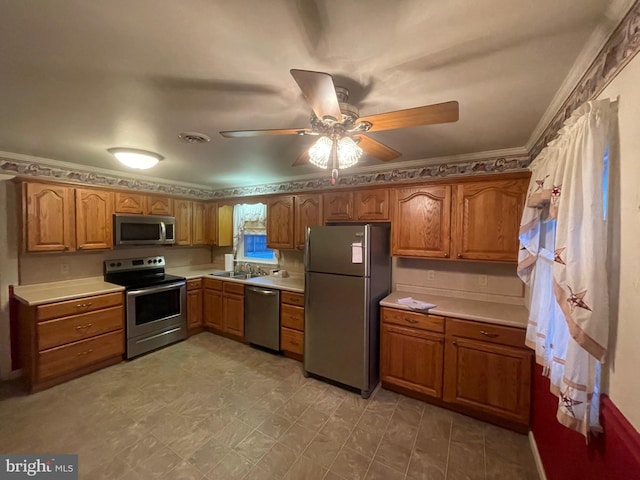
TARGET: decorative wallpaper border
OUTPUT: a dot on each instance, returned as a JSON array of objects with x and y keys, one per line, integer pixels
[{"x": 620, "y": 48}]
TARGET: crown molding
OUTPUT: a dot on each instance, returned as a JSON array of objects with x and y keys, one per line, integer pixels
[{"x": 610, "y": 47}]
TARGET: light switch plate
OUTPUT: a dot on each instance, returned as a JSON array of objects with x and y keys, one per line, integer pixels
[
  {"x": 64, "y": 268},
  {"x": 482, "y": 280},
  {"x": 431, "y": 275}
]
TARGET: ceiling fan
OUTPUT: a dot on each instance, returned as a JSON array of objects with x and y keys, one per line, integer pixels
[{"x": 340, "y": 128}]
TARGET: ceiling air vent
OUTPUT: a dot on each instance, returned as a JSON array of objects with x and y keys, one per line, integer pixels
[{"x": 194, "y": 137}]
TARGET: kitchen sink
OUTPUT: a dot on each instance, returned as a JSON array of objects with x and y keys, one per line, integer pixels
[{"x": 237, "y": 276}]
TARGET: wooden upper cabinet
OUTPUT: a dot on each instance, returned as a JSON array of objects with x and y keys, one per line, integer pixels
[
  {"x": 338, "y": 207},
  {"x": 198, "y": 223},
  {"x": 225, "y": 225},
  {"x": 183, "y": 213},
  {"x": 94, "y": 222},
  {"x": 157, "y": 205},
  {"x": 280, "y": 220},
  {"x": 308, "y": 213},
  {"x": 421, "y": 221},
  {"x": 130, "y": 202},
  {"x": 211, "y": 224},
  {"x": 372, "y": 205},
  {"x": 49, "y": 220},
  {"x": 487, "y": 219}
]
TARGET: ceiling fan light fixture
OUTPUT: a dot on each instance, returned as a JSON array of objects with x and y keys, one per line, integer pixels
[
  {"x": 320, "y": 152},
  {"x": 348, "y": 152},
  {"x": 134, "y": 158}
]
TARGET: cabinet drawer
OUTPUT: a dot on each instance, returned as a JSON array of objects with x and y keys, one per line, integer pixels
[
  {"x": 291, "y": 340},
  {"x": 78, "y": 327},
  {"x": 194, "y": 284},
  {"x": 423, "y": 321},
  {"x": 213, "y": 284},
  {"x": 79, "y": 305},
  {"x": 235, "y": 288},
  {"x": 292, "y": 298},
  {"x": 65, "y": 359},
  {"x": 486, "y": 332},
  {"x": 292, "y": 317}
]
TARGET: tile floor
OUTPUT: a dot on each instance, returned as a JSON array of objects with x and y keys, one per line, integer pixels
[{"x": 210, "y": 408}]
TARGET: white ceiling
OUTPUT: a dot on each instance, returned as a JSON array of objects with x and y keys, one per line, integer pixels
[{"x": 78, "y": 77}]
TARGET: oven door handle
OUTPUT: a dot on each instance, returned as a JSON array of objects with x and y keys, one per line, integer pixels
[{"x": 159, "y": 288}]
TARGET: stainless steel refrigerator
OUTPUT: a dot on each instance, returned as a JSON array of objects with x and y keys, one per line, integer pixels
[{"x": 347, "y": 273}]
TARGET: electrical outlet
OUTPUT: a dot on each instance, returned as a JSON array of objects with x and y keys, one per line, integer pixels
[
  {"x": 64, "y": 268},
  {"x": 431, "y": 275},
  {"x": 482, "y": 280}
]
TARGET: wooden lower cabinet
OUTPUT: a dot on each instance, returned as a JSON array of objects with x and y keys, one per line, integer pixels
[
  {"x": 194, "y": 305},
  {"x": 224, "y": 306},
  {"x": 212, "y": 304},
  {"x": 412, "y": 358},
  {"x": 64, "y": 340},
  {"x": 292, "y": 323},
  {"x": 477, "y": 368}
]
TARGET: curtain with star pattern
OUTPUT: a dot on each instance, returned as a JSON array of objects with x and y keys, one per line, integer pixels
[{"x": 563, "y": 254}]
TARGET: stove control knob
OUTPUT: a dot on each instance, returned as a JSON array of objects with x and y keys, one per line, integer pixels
[
  {"x": 148, "y": 261},
  {"x": 119, "y": 264},
  {"x": 112, "y": 264}
]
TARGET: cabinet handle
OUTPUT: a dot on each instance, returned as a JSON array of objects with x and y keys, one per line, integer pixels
[
  {"x": 446, "y": 255},
  {"x": 459, "y": 255},
  {"x": 86, "y": 352},
  {"x": 411, "y": 320},
  {"x": 84, "y": 305},
  {"x": 490, "y": 335},
  {"x": 80, "y": 327},
  {"x": 455, "y": 343}
]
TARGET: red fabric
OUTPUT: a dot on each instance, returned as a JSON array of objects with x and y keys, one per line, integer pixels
[{"x": 614, "y": 455}]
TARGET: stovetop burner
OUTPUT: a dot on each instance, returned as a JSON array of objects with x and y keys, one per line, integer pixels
[{"x": 134, "y": 273}]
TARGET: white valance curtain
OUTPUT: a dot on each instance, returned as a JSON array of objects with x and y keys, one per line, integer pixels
[
  {"x": 563, "y": 258},
  {"x": 248, "y": 218}
]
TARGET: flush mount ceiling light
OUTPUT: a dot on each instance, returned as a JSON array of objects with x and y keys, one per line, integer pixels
[
  {"x": 194, "y": 137},
  {"x": 133, "y": 158}
]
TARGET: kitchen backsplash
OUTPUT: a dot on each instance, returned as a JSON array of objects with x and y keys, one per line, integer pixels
[
  {"x": 290, "y": 260},
  {"x": 36, "y": 268},
  {"x": 479, "y": 281}
]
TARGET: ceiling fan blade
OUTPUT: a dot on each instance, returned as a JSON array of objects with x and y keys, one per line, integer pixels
[
  {"x": 302, "y": 159},
  {"x": 427, "y": 115},
  {"x": 377, "y": 149},
  {"x": 259, "y": 133},
  {"x": 320, "y": 92}
]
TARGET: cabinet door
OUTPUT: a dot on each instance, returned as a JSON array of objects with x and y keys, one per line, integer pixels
[
  {"x": 491, "y": 378},
  {"x": 94, "y": 222},
  {"x": 225, "y": 225},
  {"x": 234, "y": 314},
  {"x": 308, "y": 214},
  {"x": 194, "y": 308},
  {"x": 372, "y": 205},
  {"x": 212, "y": 309},
  {"x": 130, "y": 202},
  {"x": 338, "y": 206},
  {"x": 211, "y": 224},
  {"x": 183, "y": 215},
  {"x": 487, "y": 219},
  {"x": 157, "y": 205},
  {"x": 280, "y": 222},
  {"x": 49, "y": 223},
  {"x": 198, "y": 219},
  {"x": 421, "y": 221},
  {"x": 412, "y": 359}
]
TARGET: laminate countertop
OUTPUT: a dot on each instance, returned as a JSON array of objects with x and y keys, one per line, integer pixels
[
  {"x": 41, "y": 293},
  {"x": 481, "y": 311},
  {"x": 293, "y": 283}
]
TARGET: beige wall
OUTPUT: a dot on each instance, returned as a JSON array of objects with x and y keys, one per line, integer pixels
[
  {"x": 8, "y": 267},
  {"x": 38, "y": 268},
  {"x": 480, "y": 281},
  {"x": 624, "y": 255}
]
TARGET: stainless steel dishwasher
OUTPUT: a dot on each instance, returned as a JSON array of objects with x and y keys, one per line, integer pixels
[{"x": 262, "y": 316}]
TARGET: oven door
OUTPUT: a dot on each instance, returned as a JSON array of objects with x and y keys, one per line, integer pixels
[{"x": 152, "y": 309}]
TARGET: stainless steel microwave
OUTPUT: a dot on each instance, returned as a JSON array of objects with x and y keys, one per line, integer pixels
[{"x": 143, "y": 230}]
